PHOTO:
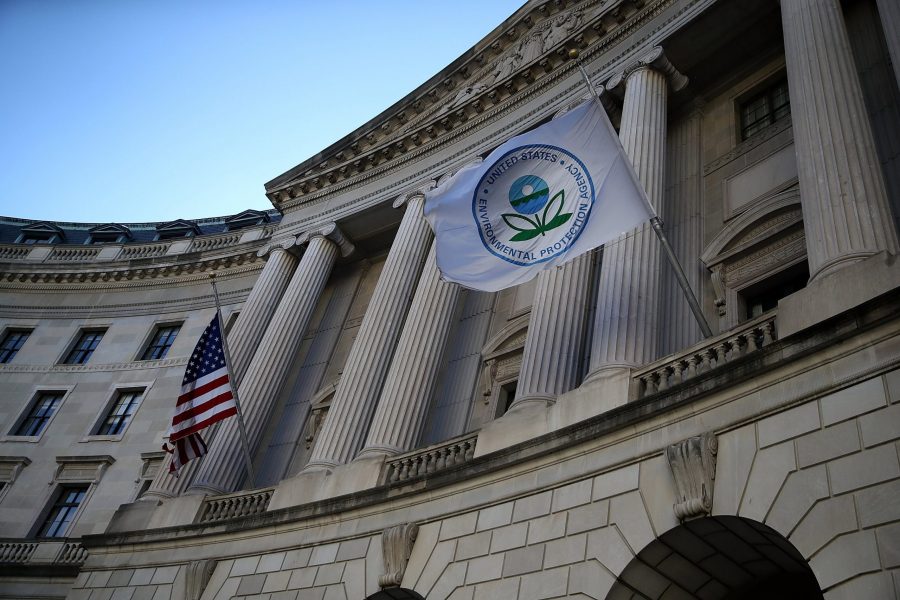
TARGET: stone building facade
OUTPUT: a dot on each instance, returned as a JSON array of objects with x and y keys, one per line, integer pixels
[{"x": 573, "y": 437}]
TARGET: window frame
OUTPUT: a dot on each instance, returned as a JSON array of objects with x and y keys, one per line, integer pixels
[
  {"x": 36, "y": 394},
  {"x": 114, "y": 394},
  {"x": 73, "y": 345},
  {"x": 151, "y": 338},
  {"x": 54, "y": 503},
  {"x": 763, "y": 89},
  {"x": 6, "y": 334}
]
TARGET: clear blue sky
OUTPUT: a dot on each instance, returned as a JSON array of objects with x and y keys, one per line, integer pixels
[{"x": 152, "y": 110}]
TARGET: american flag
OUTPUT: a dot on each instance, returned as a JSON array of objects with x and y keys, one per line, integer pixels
[{"x": 206, "y": 397}]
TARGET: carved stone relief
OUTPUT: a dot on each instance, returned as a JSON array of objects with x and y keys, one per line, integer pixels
[
  {"x": 693, "y": 464},
  {"x": 197, "y": 574},
  {"x": 396, "y": 547}
]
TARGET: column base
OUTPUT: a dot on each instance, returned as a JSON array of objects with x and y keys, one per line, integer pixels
[
  {"x": 322, "y": 484},
  {"x": 534, "y": 399},
  {"x": 841, "y": 262}
]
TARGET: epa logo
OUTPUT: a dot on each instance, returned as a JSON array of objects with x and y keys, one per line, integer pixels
[{"x": 551, "y": 195}]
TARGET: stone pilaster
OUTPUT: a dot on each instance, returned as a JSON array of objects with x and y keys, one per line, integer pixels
[
  {"x": 222, "y": 470},
  {"x": 243, "y": 339},
  {"x": 625, "y": 325},
  {"x": 403, "y": 405},
  {"x": 846, "y": 214},
  {"x": 367, "y": 365},
  {"x": 551, "y": 360},
  {"x": 889, "y": 12}
]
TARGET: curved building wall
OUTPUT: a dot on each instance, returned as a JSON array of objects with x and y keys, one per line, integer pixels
[{"x": 411, "y": 438}]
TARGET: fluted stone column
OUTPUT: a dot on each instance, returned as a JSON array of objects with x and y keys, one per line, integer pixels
[
  {"x": 625, "y": 326},
  {"x": 551, "y": 360},
  {"x": 403, "y": 405},
  {"x": 846, "y": 215},
  {"x": 889, "y": 13},
  {"x": 367, "y": 365},
  {"x": 222, "y": 470},
  {"x": 243, "y": 339}
]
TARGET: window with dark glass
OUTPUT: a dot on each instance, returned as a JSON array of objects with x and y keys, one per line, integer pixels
[
  {"x": 121, "y": 412},
  {"x": 161, "y": 342},
  {"x": 12, "y": 342},
  {"x": 764, "y": 108},
  {"x": 60, "y": 517},
  {"x": 84, "y": 347},
  {"x": 40, "y": 413}
]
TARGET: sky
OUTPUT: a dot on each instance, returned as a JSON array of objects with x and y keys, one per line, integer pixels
[{"x": 152, "y": 110}]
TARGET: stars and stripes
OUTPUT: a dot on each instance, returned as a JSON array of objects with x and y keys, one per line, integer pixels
[{"x": 206, "y": 397}]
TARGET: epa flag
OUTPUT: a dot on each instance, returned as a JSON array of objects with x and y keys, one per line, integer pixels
[
  {"x": 537, "y": 201},
  {"x": 206, "y": 397}
]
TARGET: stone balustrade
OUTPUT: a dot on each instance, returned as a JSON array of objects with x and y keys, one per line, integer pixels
[
  {"x": 42, "y": 552},
  {"x": 214, "y": 242},
  {"x": 131, "y": 252},
  {"x": 710, "y": 354},
  {"x": 230, "y": 506},
  {"x": 431, "y": 460},
  {"x": 14, "y": 252},
  {"x": 73, "y": 253}
]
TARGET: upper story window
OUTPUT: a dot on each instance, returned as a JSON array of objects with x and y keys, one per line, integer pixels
[
  {"x": 161, "y": 342},
  {"x": 40, "y": 413},
  {"x": 12, "y": 342},
  {"x": 176, "y": 229},
  {"x": 41, "y": 233},
  {"x": 764, "y": 108},
  {"x": 119, "y": 415},
  {"x": 63, "y": 511},
  {"x": 248, "y": 218},
  {"x": 110, "y": 233},
  {"x": 83, "y": 349}
]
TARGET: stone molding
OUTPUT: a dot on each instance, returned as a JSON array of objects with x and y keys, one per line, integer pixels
[
  {"x": 138, "y": 365},
  {"x": 10, "y": 467},
  {"x": 396, "y": 547},
  {"x": 693, "y": 465},
  {"x": 749, "y": 144},
  {"x": 81, "y": 468},
  {"x": 604, "y": 31}
]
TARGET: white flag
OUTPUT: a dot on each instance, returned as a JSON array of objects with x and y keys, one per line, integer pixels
[{"x": 537, "y": 201}]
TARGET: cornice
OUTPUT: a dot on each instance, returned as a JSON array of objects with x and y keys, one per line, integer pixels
[
  {"x": 465, "y": 154},
  {"x": 94, "y": 276},
  {"x": 397, "y": 137}
]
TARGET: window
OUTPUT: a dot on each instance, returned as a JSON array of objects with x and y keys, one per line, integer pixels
[
  {"x": 40, "y": 413},
  {"x": 84, "y": 347},
  {"x": 764, "y": 108},
  {"x": 765, "y": 295},
  {"x": 12, "y": 342},
  {"x": 507, "y": 396},
  {"x": 161, "y": 342},
  {"x": 121, "y": 412},
  {"x": 63, "y": 511}
]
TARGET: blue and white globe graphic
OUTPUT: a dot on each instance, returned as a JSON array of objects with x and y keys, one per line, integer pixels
[{"x": 529, "y": 194}]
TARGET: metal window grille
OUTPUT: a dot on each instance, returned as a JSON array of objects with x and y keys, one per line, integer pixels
[
  {"x": 84, "y": 347},
  {"x": 11, "y": 344},
  {"x": 161, "y": 342},
  {"x": 63, "y": 512},
  {"x": 120, "y": 414},
  {"x": 765, "y": 108},
  {"x": 40, "y": 414}
]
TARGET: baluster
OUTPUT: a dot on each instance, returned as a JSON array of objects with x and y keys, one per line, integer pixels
[
  {"x": 678, "y": 369},
  {"x": 768, "y": 333},
  {"x": 470, "y": 450},
  {"x": 442, "y": 459},
  {"x": 752, "y": 344},
  {"x": 649, "y": 384},
  {"x": 663, "y": 375},
  {"x": 394, "y": 473}
]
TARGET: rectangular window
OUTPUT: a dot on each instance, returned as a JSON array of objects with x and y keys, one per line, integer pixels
[
  {"x": 40, "y": 413},
  {"x": 63, "y": 511},
  {"x": 84, "y": 347},
  {"x": 764, "y": 108},
  {"x": 11, "y": 344},
  {"x": 161, "y": 342},
  {"x": 120, "y": 414}
]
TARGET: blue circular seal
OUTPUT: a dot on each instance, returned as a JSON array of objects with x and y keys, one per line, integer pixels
[{"x": 532, "y": 204}]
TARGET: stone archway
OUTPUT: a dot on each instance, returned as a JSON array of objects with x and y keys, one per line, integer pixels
[
  {"x": 718, "y": 558},
  {"x": 396, "y": 593}
]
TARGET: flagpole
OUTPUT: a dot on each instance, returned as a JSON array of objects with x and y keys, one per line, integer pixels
[
  {"x": 656, "y": 223},
  {"x": 237, "y": 402}
]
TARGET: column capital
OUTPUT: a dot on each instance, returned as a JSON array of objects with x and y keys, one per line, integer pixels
[
  {"x": 282, "y": 243},
  {"x": 405, "y": 199},
  {"x": 331, "y": 232},
  {"x": 654, "y": 59}
]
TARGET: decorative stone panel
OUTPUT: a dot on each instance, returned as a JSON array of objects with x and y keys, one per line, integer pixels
[
  {"x": 396, "y": 546},
  {"x": 693, "y": 464}
]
